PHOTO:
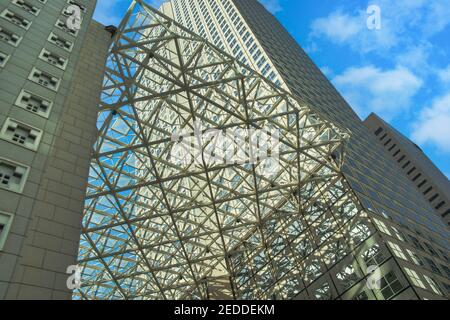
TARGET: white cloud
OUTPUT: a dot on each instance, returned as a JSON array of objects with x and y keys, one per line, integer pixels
[
  {"x": 327, "y": 71},
  {"x": 402, "y": 23},
  {"x": 338, "y": 27},
  {"x": 444, "y": 74},
  {"x": 416, "y": 58},
  {"x": 273, "y": 6},
  {"x": 438, "y": 17},
  {"x": 433, "y": 124},
  {"x": 386, "y": 92}
]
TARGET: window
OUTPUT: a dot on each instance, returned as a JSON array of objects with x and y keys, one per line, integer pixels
[
  {"x": 16, "y": 19},
  {"x": 406, "y": 164},
  {"x": 390, "y": 285},
  {"x": 361, "y": 296},
  {"x": 63, "y": 26},
  {"x": 440, "y": 205},
  {"x": 9, "y": 37},
  {"x": 60, "y": 42},
  {"x": 34, "y": 103},
  {"x": 3, "y": 59},
  {"x": 12, "y": 175},
  {"x": 434, "y": 197},
  {"x": 433, "y": 266},
  {"x": 400, "y": 236},
  {"x": 430, "y": 249},
  {"x": 415, "y": 242},
  {"x": 44, "y": 79},
  {"x": 378, "y": 131},
  {"x": 434, "y": 286},
  {"x": 415, "y": 258},
  {"x": 422, "y": 183},
  {"x": 382, "y": 226},
  {"x": 414, "y": 278},
  {"x": 373, "y": 256},
  {"x": 348, "y": 276},
  {"x": 21, "y": 134},
  {"x": 25, "y": 5},
  {"x": 5, "y": 224},
  {"x": 53, "y": 59},
  {"x": 397, "y": 251},
  {"x": 447, "y": 270},
  {"x": 323, "y": 293},
  {"x": 427, "y": 191},
  {"x": 76, "y": 3}
]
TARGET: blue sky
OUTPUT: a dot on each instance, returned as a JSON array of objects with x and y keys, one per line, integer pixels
[{"x": 401, "y": 71}]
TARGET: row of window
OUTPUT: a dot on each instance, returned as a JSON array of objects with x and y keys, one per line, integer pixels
[
  {"x": 409, "y": 255},
  {"x": 412, "y": 171},
  {"x": 14, "y": 175}
]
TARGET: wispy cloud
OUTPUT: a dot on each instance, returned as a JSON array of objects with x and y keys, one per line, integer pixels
[
  {"x": 425, "y": 17},
  {"x": 386, "y": 92},
  {"x": 444, "y": 74},
  {"x": 337, "y": 27},
  {"x": 433, "y": 124},
  {"x": 273, "y": 6}
]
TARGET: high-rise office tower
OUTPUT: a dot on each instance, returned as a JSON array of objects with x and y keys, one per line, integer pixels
[
  {"x": 336, "y": 220},
  {"x": 50, "y": 82},
  {"x": 431, "y": 183}
]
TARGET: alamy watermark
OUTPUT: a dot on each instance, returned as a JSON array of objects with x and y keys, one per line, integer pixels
[
  {"x": 374, "y": 17},
  {"x": 74, "y": 280},
  {"x": 374, "y": 279},
  {"x": 235, "y": 146},
  {"x": 74, "y": 20}
]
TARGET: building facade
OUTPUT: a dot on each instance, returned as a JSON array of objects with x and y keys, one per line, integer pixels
[
  {"x": 158, "y": 230},
  {"x": 430, "y": 182},
  {"x": 50, "y": 82}
]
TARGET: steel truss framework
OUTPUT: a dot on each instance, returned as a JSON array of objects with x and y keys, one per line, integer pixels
[{"x": 155, "y": 229}]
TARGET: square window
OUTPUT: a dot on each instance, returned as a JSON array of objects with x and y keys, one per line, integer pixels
[
  {"x": 34, "y": 103},
  {"x": 9, "y": 37},
  {"x": 5, "y": 225},
  {"x": 28, "y": 7},
  {"x": 63, "y": 26},
  {"x": 16, "y": 19},
  {"x": 54, "y": 59},
  {"x": 13, "y": 175},
  {"x": 44, "y": 79},
  {"x": 60, "y": 42},
  {"x": 3, "y": 59},
  {"x": 414, "y": 278},
  {"x": 21, "y": 134}
]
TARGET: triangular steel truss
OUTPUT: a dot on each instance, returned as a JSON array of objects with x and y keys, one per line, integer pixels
[{"x": 157, "y": 229}]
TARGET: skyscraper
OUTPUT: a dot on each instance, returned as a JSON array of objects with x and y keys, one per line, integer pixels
[
  {"x": 50, "y": 82},
  {"x": 339, "y": 220},
  {"x": 431, "y": 183}
]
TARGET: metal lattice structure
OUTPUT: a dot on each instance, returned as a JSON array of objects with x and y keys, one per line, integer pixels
[{"x": 155, "y": 229}]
